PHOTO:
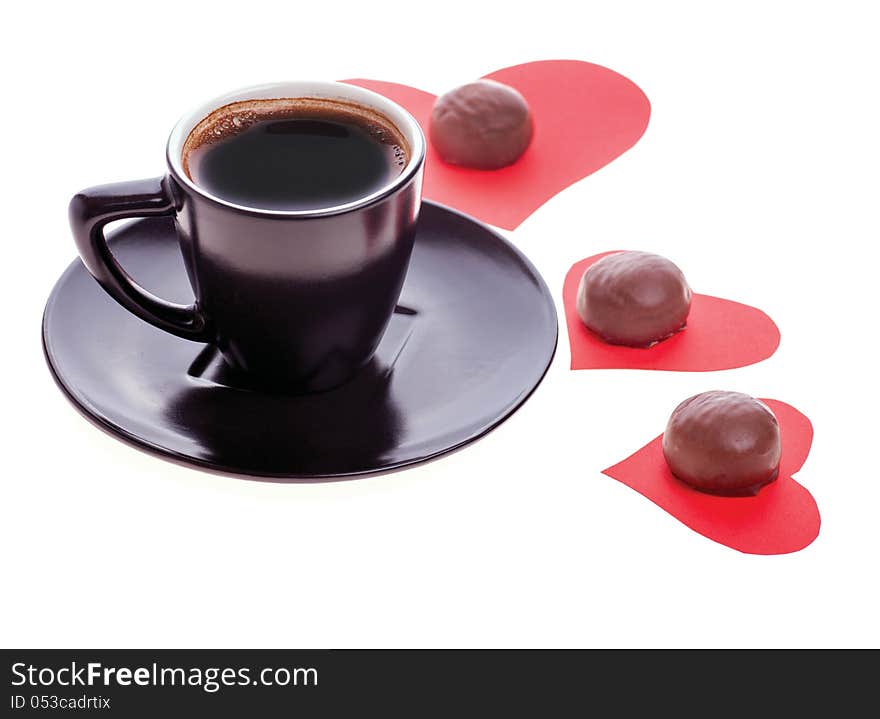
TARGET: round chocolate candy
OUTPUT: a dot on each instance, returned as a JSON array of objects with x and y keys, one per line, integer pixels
[
  {"x": 484, "y": 125},
  {"x": 633, "y": 298},
  {"x": 723, "y": 443}
]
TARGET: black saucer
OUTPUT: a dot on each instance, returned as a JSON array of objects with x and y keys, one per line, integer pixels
[{"x": 472, "y": 337}]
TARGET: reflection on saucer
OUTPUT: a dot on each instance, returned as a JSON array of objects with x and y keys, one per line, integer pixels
[{"x": 346, "y": 430}]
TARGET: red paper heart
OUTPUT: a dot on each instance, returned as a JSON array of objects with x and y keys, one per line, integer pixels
[
  {"x": 585, "y": 115},
  {"x": 720, "y": 334},
  {"x": 781, "y": 518}
]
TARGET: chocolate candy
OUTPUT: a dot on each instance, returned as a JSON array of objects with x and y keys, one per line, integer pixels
[
  {"x": 723, "y": 443},
  {"x": 633, "y": 298},
  {"x": 483, "y": 125}
]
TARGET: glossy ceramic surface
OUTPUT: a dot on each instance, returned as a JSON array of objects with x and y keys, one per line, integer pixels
[
  {"x": 300, "y": 297},
  {"x": 472, "y": 336}
]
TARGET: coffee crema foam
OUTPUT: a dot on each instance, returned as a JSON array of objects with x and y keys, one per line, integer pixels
[{"x": 229, "y": 120}]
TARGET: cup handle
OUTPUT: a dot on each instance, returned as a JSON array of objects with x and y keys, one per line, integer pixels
[{"x": 90, "y": 210}]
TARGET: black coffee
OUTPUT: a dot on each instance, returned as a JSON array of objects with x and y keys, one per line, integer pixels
[{"x": 293, "y": 154}]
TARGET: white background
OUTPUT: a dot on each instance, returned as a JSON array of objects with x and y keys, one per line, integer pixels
[{"x": 758, "y": 175}]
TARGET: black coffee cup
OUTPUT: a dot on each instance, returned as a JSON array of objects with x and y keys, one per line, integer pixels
[{"x": 298, "y": 299}]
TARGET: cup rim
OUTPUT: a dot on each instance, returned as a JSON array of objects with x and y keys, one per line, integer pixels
[{"x": 399, "y": 116}]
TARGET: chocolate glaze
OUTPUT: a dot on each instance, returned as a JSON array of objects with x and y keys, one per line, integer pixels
[
  {"x": 723, "y": 443},
  {"x": 633, "y": 298},
  {"x": 484, "y": 125}
]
